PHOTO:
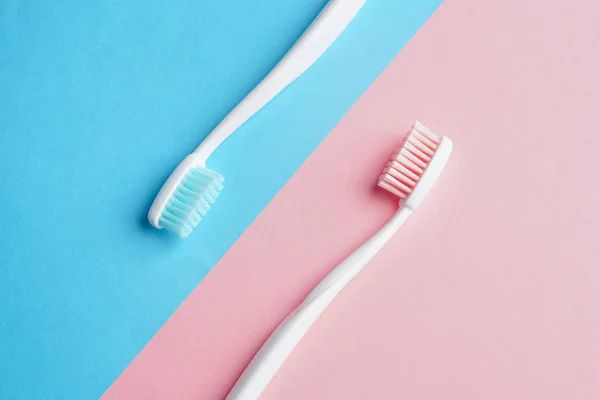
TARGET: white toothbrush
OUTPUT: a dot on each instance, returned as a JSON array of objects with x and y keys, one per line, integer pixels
[
  {"x": 410, "y": 174},
  {"x": 192, "y": 188}
]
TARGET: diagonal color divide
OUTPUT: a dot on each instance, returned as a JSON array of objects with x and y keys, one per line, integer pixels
[
  {"x": 491, "y": 289},
  {"x": 99, "y": 102}
]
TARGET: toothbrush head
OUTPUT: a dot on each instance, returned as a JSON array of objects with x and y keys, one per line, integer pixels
[
  {"x": 185, "y": 197},
  {"x": 416, "y": 165}
]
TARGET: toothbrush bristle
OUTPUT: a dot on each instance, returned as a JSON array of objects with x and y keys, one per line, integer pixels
[
  {"x": 408, "y": 163},
  {"x": 191, "y": 200}
]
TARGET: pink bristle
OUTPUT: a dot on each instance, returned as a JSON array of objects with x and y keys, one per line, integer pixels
[{"x": 408, "y": 163}]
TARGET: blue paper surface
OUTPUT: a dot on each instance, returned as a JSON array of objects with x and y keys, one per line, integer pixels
[{"x": 99, "y": 102}]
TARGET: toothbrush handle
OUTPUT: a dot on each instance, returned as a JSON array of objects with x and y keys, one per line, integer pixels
[
  {"x": 288, "y": 334},
  {"x": 321, "y": 34}
]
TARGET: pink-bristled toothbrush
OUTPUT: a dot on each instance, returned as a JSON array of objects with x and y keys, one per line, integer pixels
[{"x": 410, "y": 174}]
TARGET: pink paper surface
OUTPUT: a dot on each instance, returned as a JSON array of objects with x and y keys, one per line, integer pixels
[{"x": 490, "y": 291}]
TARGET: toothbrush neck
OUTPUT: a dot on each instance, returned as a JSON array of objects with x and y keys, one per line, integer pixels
[
  {"x": 214, "y": 139},
  {"x": 262, "y": 94},
  {"x": 390, "y": 228},
  {"x": 339, "y": 277}
]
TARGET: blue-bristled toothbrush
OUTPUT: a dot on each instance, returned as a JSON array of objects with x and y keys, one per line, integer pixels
[
  {"x": 192, "y": 188},
  {"x": 410, "y": 175}
]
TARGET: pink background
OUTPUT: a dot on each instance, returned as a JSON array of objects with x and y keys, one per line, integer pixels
[{"x": 491, "y": 290}]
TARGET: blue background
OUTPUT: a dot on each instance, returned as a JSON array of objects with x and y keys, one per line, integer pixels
[{"x": 99, "y": 101}]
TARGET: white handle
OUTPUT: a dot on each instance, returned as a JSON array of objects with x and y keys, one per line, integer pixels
[
  {"x": 321, "y": 34},
  {"x": 288, "y": 334}
]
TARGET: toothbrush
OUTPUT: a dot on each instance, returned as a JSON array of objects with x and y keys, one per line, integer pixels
[
  {"x": 410, "y": 174},
  {"x": 192, "y": 188}
]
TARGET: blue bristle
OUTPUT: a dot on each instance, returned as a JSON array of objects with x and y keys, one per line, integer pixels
[{"x": 196, "y": 192}]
